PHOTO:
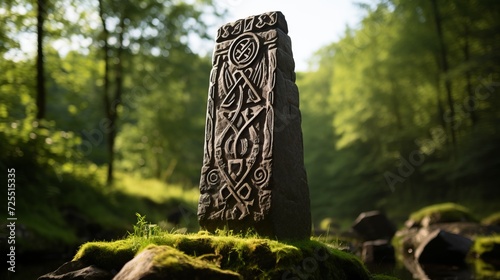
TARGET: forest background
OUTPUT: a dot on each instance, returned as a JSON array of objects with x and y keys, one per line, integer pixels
[{"x": 401, "y": 112}]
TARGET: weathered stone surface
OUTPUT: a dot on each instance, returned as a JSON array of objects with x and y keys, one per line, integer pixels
[
  {"x": 377, "y": 251},
  {"x": 441, "y": 247},
  {"x": 409, "y": 239},
  {"x": 164, "y": 262},
  {"x": 374, "y": 225},
  {"x": 253, "y": 172},
  {"x": 77, "y": 270}
]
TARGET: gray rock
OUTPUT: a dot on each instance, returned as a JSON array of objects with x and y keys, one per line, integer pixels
[
  {"x": 412, "y": 238},
  {"x": 164, "y": 263},
  {"x": 374, "y": 225},
  {"x": 442, "y": 247},
  {"x": 77, "y": 270},
  {"x": 377, "y": 251},
  {"x": 253, "y": 173}
]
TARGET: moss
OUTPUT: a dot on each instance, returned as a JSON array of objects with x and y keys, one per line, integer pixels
[
  {"x": 484, "y": 244},
  {"x": 251, "y": 257},
  {"x": 484, "y": 270},
  {"x": 493, "y": 219},
  {"x": 108, "y": 255},
  {"x": 444, "y": 212},
  {"x": 181, "y": 265}
]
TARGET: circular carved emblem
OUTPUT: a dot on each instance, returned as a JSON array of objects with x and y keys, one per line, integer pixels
[
  {"x": 244, "y": 50},
  {"x": 213, "y": 177}
]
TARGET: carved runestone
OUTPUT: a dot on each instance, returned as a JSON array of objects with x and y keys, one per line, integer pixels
[{"x": 253, "y": 172}]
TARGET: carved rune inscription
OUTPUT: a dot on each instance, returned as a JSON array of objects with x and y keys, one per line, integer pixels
[{"x": 237, "y": 184}]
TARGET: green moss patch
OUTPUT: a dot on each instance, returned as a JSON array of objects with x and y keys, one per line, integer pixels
[
  {"x": 493, "y": 219},
  {"x": 252, "y": 257},
  {"x": 442, "y": 213},
  {"x": 485, "y": 244},
  {"x": 174, "y": 264},
  {"x": 108, "y": 255}
]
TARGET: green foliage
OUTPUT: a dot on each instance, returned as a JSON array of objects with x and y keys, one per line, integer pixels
[
  {"x": 143, "y": 228},
  {"x": 155, "y": 190},
  {"x": 380, "y": 95},
  {"x": 58, "y": 159},
  {"x": 164, "y": 138}
]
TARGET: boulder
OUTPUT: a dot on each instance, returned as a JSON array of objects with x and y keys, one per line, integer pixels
[
  {"x": 407, "y": 240},
  {"x": 470, "y": 230},
  {"x": 77, "y": 270},
  {"x": 439, "y": 214},
  {"x": 373, "y": 225},
  {"x": 442, "y": 247},
  {"x": 165, "y": 262},
  {"x": 377, "y": 251}
]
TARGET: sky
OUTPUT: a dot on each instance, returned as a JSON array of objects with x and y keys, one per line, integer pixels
[{"x": 312, "y": 24}]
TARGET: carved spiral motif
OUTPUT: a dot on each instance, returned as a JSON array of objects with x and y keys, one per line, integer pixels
[
  {"x": 244, "y": 50},
  {"x": 260, "y": 175},
  {"x": 213, "y": 177}
]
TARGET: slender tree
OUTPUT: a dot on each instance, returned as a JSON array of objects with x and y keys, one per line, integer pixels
[
  {"x": 106, "y": 98},
  {"x": 444, "y": 66},
  {"x": 40, "y": 93},
  {"x": 141, "y": 30},
  {"x": 471, "y": 103}
]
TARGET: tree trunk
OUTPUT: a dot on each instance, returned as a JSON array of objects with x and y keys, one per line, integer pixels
[
  {"x": 440, "y": 106},
  {"x": 113, "y": 108},
  {"x": 40, "y": 78},
  {"x": 396, "y": 107},
  {"x": 471, "y": 101},
  {"x": 106, "y": 98},
  {"x": 444, "y": 70},
  {"x": 105, "y": 38}
]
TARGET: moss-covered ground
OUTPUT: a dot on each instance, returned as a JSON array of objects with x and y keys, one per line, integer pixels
[
  {"x": 250, "y": 256},
  {"x": 493, "y": 219},
  {"x": 443, "y": 212}
]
